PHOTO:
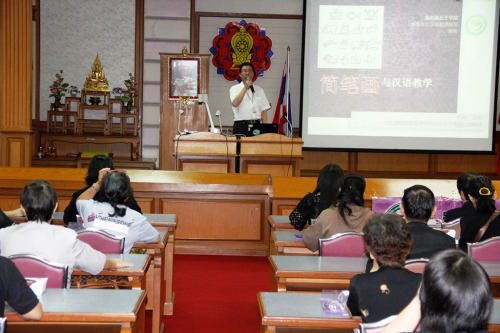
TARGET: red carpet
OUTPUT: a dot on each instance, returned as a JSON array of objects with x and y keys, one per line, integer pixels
[{"x": 217, "y": 293}]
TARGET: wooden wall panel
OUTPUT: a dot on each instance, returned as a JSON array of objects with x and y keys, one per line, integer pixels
[
  {"x": 15, "y": 81},
  {"x": 316, "y": 160},
  {"x": 206, "y": 219},
  {"x": 392, "y": 162},
  {"x": 147, "y": 205},
  {"x": 450, "y": 163},
  {"x": 16, "y": 149},
  {"x": 401, "y": 165}
]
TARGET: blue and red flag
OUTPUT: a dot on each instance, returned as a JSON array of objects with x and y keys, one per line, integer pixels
[{"x": 283, "y": 113}]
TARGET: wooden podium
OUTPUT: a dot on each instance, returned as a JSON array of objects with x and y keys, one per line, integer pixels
[
  {"x": 273, "y": 154},
  {"x": 180, "y": 112},
  {"x": 205, "y": 152}
]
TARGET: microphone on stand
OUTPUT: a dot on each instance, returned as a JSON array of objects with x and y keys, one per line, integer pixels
[
  {"x": 251, "y": 87},
  {"x": 217, "y": 114},
  {"x": 181, "y": 111},
  {"x": 203, "y": 98}
]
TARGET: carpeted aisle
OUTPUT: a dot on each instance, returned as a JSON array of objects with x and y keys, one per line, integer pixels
[{"x": 217, "y": 293}]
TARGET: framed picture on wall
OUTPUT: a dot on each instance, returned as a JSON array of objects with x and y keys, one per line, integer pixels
[{"x": 184, "y": 78}]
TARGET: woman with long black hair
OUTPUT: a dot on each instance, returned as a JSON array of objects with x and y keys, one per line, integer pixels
[
  {"x": 484, "y": 223},
  {"x": 323, "y": 196},
  {"x": 348, "y": 213}
]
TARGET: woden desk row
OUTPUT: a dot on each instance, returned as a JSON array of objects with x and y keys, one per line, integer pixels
[
  {"x": 160, "y": 277},
  {"x": 217, "y": 213},
  {"x": 165, "y": 224},
  {"x": 85, "y": 310},
  {"x": 314, "y": 273},
  {"x": 220, "y": 213},
  {"x": 303, "y": 311}
]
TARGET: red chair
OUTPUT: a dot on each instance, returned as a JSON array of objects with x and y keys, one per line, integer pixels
[
  {"x": 101, "y": 240},
  {"x": 487, "y": 250},
  {"x": 416, "y": 265},
  {"x": 37, "y": 267},
  {"x": 344, "y": 244}
]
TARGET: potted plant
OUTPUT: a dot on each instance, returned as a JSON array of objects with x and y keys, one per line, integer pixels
[
  {"x": 129, "y": 92},
  {"x": 117, "y": 92},
  {"x": 58, "y": 89},
  {"x": 73, "y": 90}
]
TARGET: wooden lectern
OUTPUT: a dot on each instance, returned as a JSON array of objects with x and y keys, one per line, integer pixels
[
  {"x": 205, "y": 152},
  {"x": 270, "y": 153},
  {"x": 183, "y": 77}
]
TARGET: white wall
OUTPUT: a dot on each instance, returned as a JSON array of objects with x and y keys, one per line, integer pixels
[{"x": 73, "y": 32}]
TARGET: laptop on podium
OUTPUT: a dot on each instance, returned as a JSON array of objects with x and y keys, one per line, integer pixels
[{"x": 256, "y": 129}]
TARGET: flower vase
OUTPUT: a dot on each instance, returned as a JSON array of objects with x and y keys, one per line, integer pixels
[
  {"x": 128, "y": 107},
  {"x": 57, "y": 102}
]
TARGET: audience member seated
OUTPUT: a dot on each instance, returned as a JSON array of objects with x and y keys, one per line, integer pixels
[
  {"x": 455, "y": 296},
  {"x": 485, "y": 222},
  {"x": 389, "y": 287},
  {"x": 111, "y": 214},
  {"x": 418, "y": 206},
  {"x": 347, "y": 214},
  {"x": 15, "y": 291},
  {"x": 5, "y": 216},
  {"x": 463, "y": 188},
  {"x": 97, "y": 163},
  {"x": 54, "y": 243},
  {"x": 323, "y": 196}
]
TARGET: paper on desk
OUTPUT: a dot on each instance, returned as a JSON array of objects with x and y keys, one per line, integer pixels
[{"x": 38, "y": 285}]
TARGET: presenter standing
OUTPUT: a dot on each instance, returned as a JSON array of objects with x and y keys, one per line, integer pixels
[{"x": 249, "y": 102}]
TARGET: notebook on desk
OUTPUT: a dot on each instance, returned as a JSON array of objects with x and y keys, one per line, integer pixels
[{"x": 256, "y": 129}]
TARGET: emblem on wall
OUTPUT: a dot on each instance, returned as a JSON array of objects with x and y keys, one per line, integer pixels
[{"x": 238, "y": 43}]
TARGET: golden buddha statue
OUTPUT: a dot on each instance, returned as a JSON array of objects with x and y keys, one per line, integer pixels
[{"x": 96, "y": 81}]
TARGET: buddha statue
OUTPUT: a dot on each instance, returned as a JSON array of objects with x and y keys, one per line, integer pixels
[{"x": 96, "y": 81}]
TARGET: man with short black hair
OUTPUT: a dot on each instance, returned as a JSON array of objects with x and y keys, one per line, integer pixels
[
  {"x": 249, "y": 102},
  {"x": 418, "y": 206}
]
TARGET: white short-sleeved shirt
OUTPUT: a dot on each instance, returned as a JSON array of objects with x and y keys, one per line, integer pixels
[
  {"x": 52, "y": 242},
  {"x": 133, "y": 225},
  {"x": 252, "y": 104}
]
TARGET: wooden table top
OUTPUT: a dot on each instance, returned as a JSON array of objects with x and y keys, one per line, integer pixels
[
  {"x": 304, "y": 310},
  {"x": 317, "y": 267},
  {"x": 299, "y": 310},
  {"x": 81, "y": 305}
]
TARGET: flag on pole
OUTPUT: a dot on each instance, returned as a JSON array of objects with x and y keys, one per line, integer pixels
[{"x": 283, "y": 114}]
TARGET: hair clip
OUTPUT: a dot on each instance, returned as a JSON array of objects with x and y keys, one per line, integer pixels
[{"x": 485, "y": 191}]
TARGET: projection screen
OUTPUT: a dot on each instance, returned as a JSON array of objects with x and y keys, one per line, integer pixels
[{"x": 403, "y": 75}]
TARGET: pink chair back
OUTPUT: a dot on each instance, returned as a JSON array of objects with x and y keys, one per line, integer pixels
[
  {"x": 487, "y": 250},
  {"x": 376, "y": 327},
  {"x": 38, "y": 267},
  {"x": 344, "y": 244},
  {"x": 101, "y": 240},
  {"x": 416, "y": 265},
  {"x": 453, "y": 225}
]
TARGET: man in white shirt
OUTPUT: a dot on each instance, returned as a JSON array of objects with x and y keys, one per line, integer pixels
[{"x": 249, "y": 102}]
